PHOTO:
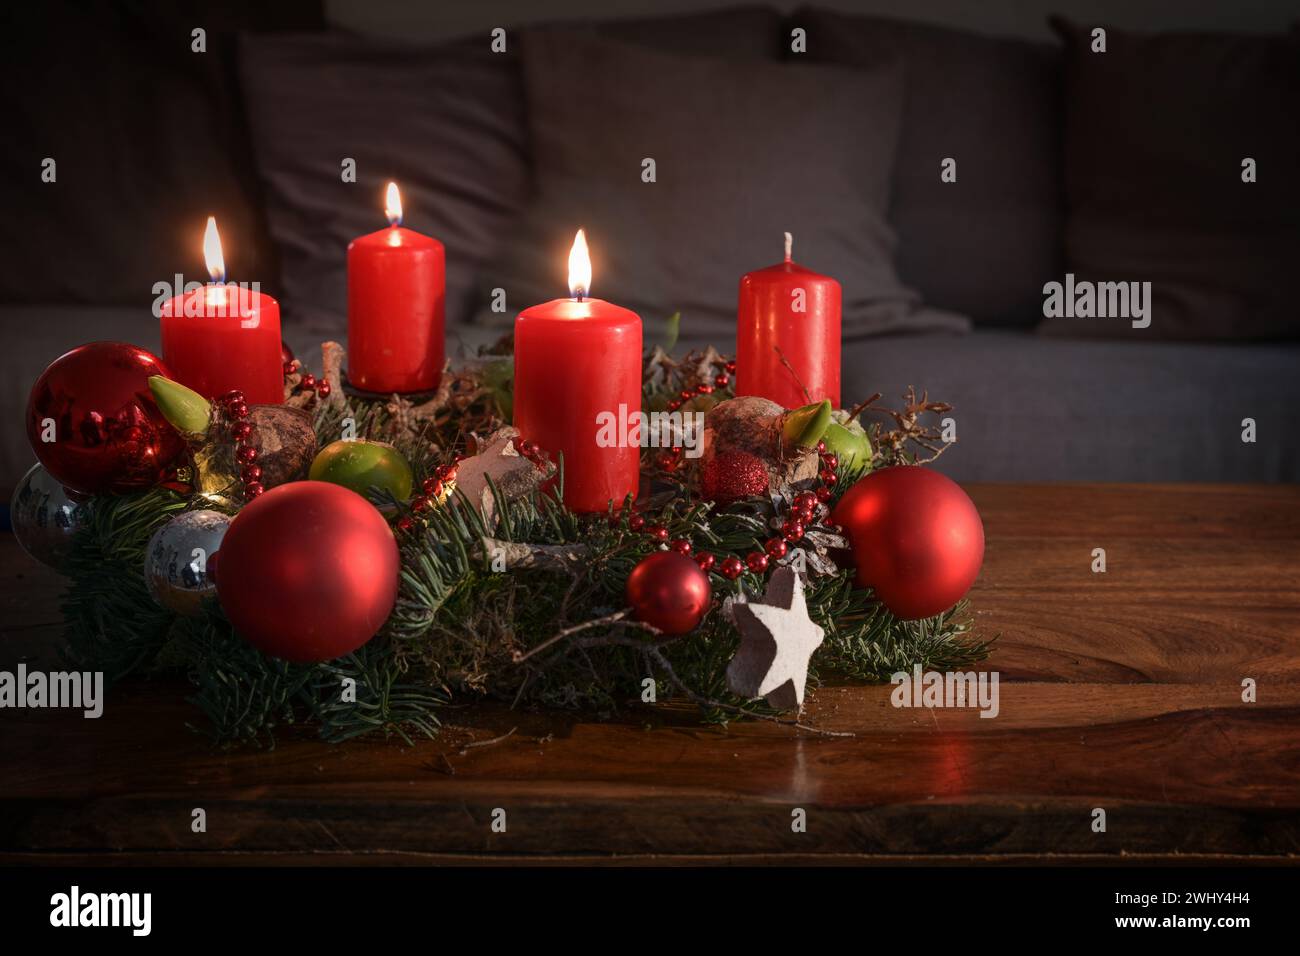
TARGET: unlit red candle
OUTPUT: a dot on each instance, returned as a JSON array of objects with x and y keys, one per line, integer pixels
[
  {"x": 788, "y": 335},
  {"x": 221, "y": 337},
  {"x": 577, "y": 362},
  {"x": 397, "y": 281}
]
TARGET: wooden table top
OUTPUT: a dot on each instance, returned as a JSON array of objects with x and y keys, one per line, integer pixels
[{"x": 1120, "y": 691}]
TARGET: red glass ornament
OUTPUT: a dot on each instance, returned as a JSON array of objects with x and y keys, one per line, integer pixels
[
  {"x": 109, "y": 436},
  {"x": 721, "y": 381},
  {"x": 792, "y": 529},
  {"x": 668, "y": 591},
  {"x": 323, "y": 389},
  {"x": 241, "y": 430},
  {"x": 705, "y": 561},
  {"x": 238, "y": 410},
  {"x": 756, "y": 561},
  {"x": 775, "y": 547},
  {"x": 657, "y": 531},
  {"x": 681, "y": 546},
  {"x": 308, "y": 571},
  {"x": 246, "y": 454},
  {"x": 732, "y": 567},
  {"x": 916, "y": 537},
  {"x": 731, "y": 476},
  {"x": 250, "y": 473},
  {"x": 286, "y": 353},
  {"x": 252, "y": 489},
  {"x": 636, "y": 522}
]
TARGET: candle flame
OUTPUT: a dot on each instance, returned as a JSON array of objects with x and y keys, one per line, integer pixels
[
  {"x": 579, "y": 267},
  {"x": 393, "y": 205},
  {"x": 216, "y": 262}
]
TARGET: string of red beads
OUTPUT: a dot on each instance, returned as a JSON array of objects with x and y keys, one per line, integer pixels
[
  {"x": 308, "y": 382},
  {"x": 721, "y": 380},
  {"x": 431, "y": 489},
  {"x": 802, "y": 512},
  {"x": 244, "y": 437}
]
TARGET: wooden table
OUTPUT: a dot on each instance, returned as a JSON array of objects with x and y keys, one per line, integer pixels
[{"x": 1120, "y": 691}]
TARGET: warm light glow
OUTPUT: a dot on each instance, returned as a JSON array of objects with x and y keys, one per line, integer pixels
[
  {"x": 212, "y": 251},
  {"x": 393, "y": 205},
  {"x": 579, "y": 267}
]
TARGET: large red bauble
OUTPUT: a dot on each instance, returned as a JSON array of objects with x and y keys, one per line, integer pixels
[
  {"x": 109, "y": 436},
  {"x": 308, "y": 571},
  {"x": 669, "y": 591},
  {"x": 916, "y": 537}
]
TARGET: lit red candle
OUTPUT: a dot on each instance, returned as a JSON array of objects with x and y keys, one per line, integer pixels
[
  {"x": 397, "y": 288},
  {"x": 577, "y": 364},
  {"x": 224, "y": 336},
  {"x": 788, "y": 335}
]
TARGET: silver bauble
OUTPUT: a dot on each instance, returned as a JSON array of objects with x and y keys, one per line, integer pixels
[
  {"x": 44, "y": 518},
  {"x": 176, "y": 560}
]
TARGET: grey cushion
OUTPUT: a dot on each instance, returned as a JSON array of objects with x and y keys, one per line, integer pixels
[
  {"x": 445, "y": 122},
  {"x": 1156, "y": 131},
  {"x": 743, "y": 152},
  {"x": 985, "y": 244}
]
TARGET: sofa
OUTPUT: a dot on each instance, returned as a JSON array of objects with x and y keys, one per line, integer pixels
[{"x": 945, "y": 178}]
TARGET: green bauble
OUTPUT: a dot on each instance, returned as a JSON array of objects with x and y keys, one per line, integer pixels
[
  {"x": 361, "y": 465},
  {"x": 850, "y": 444}
]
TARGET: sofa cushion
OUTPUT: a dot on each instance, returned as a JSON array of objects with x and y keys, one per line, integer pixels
[
  {"x": 1157, "y": 130},
  {"x": 986, "y": 243},
  {"x": 742, "y": 152},
  {"x": 445, "y": 121},
  {"x": 149, "y": 139}
]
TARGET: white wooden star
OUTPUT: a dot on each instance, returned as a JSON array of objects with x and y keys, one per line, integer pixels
[{"x": 777, "y": 639}]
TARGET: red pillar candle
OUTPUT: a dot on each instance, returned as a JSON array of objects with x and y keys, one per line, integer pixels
[
  {"x": 577, "y": 364},
  {"x": 788, "y": 335},
  {"x": 397, "y": 288},
  {"x": 220, "y": 337}
]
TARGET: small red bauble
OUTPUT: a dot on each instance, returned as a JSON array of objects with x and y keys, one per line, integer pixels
[
  {"x": 732, "y": 567},
  {"x": 916, "y": 538},
  {"x": 308, "y": 571},
  {"x": 669, "y": 591},
  {"x": 108, "y": 435},
  {"x": 731, "y": 476},
  {"x": 756, "y": 561},
  {"x": 705, "y": 561},
  {"x": 681, "y": 546}
]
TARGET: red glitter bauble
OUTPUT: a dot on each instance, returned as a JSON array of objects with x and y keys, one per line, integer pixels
[
  {"x": 93, "y": 424},
  {"x": 731, "y": 476},
  {"x": 669, "y": 591},
  {"x": 308, "y": 571},
  {"x": 916, "y": 537}
]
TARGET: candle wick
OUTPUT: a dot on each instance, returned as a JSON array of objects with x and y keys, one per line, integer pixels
[{"x": 789, "y": 246}]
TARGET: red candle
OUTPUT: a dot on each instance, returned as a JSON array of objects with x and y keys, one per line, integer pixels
[
  {"x": 788, "y": 335},
  {"x": 397, "y": 287},
  {"x": 577, "y": 384},
  {"x": 219, "y": 337}
]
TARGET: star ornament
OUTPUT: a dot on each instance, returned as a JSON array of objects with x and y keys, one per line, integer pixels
[{"x": 777, "y": 639}]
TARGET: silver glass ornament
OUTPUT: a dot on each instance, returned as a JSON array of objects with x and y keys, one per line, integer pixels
[
  {"x": 44, "y": 518},
  {"x": 176, "y": 560}
]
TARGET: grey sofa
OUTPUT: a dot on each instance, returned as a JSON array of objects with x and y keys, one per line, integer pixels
[{"x": 1028, "y": 406}]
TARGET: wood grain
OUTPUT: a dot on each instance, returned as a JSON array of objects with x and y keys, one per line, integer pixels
[{"x": 1120, "y": 691}]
